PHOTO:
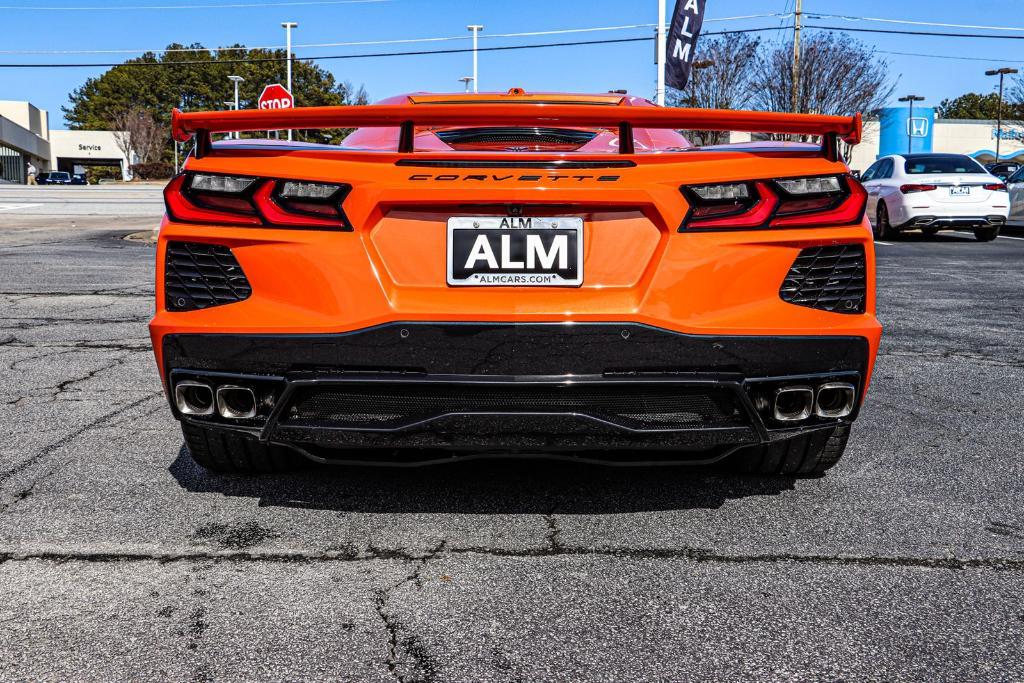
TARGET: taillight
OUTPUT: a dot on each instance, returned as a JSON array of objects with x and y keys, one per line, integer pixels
[
  {"x": 912, "y": 187},
  {"x": 252, "y": 201},
  {"x": 996, "y": 187},
  {"x": 784, "y": 202}
]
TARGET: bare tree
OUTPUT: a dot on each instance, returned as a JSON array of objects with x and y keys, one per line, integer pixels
[
  {"x": 837, "y": 76},
  {"x": 720, "y": 79},
  {"x": 139, "y": 136}
]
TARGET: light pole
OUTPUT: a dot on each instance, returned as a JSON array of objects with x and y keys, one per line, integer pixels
[
  {"x": 475, "y": 28},
  {"x": 236, "y": 80},
  {"x": 467, "y": 80},
  {"x": 288, "y": 26},
  {"x": 661, "y": 47},
  {"x": 999, "y": 121},
  {"x": 910, "y": 119}
]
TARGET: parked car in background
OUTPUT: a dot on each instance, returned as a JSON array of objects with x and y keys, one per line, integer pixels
[
  {"x": 78, "y": 179},
  {"x": 1003, "y": 169},
  {"x": 933, "y": 192},
  {"x": 1015, "y": 186},
  {"x": 54, "y": 178}
]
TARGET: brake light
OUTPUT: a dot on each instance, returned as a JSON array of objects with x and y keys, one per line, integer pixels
[
  {"x": 908, "y": 189},
  {"x": 784, "y": 202},
  {"x": 253, "y": 201},
  {"x": 996, "y": 187}
]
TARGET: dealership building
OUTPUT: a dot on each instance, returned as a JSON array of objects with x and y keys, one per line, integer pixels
[{"x": 25, "y": 137}]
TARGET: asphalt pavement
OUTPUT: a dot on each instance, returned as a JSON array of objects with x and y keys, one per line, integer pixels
[{"x": 122, "y": 560}]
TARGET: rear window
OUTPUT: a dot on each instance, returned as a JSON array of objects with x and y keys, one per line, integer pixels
[
  {"x": 61, "y": 175},
  {"x": 949, "y": 163}
]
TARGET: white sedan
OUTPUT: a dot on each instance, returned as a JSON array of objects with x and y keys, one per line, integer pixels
[
  {"x": 1016, "y": 185},
  {"x": 932, "y": 192}
]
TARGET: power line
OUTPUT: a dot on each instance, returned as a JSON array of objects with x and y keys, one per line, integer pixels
[
  {"x": 357, "y": 56},
  {"x": 962, "y": 58},
  {"x": 289, "y": 3},
  {"x": 910, "y": 22},
  {"x": 915, "y": 33},
  {"x": 397, "y": 41},
  {"x": 357, "y": 43}
]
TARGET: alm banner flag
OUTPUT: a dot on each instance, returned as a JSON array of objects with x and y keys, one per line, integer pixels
[{"x": 682, "y": 39}]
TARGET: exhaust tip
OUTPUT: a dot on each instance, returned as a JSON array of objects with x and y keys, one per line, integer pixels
[
  {"x": 793, "y": 404},
  {"x": 835, "y": 399},
  {"x": 193, "y": 398},
  {"x": 235, "y": 402}
]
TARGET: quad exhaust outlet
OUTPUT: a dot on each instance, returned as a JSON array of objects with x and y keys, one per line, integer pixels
[
  {"x": 829, "y": 400},
  {"x": 193, "y": 398},
  {"x": 235, "y": 402}
]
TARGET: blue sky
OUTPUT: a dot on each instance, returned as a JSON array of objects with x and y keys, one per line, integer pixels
[{"x": 587, "y": 68}]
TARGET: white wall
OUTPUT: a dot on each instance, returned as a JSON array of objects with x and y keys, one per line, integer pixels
[{"x": 86, "y": 144}]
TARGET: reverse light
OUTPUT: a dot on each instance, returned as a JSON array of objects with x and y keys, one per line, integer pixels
[
  {"x": 913, "y": 187},
  {"x": 725, "y": 192},
  {"x": 820, "y": 185},
  {"x": 203, "y": 182}
]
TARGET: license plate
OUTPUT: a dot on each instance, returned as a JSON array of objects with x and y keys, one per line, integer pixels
[
  {"x": 958, "y": 191},
  {"x": 515, "y": 251}
]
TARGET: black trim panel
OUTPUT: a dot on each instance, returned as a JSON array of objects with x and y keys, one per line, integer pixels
[{"x": 510, "y": 349}]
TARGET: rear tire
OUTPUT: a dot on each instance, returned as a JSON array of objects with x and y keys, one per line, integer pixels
[
  {"x": 930, "y": 232},
  {"x": 883, "y": 228},
  {"x": 219, "y": 450},
  {"x": 986, "y": 234},
  {"x": 807, "y": 455}
]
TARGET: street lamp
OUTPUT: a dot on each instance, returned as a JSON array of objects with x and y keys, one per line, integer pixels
[
  {"x": 999, "y": 122},
  {"x": 910, "y": 130},
  {"x": 288, "y": 26},
  {"x": 467, "y": 80},
  {"x": 236, "y": 80},
  {"x": 475, "y": 28}
]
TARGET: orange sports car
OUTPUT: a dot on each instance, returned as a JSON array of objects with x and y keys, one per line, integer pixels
[{"x": 515, "y": 274}]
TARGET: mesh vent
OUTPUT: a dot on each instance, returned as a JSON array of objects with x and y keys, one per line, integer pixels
[
  {"x": 202, "y": 275},
  {"x": 534, "y": 136},
  {"x": 827, "y": 278},
  {"x": 391, "y": 405}
]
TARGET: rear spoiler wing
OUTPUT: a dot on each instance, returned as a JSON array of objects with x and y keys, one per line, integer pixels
[{"x": 408, "y": 116}]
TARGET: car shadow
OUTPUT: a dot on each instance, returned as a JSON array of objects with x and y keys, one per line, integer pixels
[{"x": 492, "y": 486}]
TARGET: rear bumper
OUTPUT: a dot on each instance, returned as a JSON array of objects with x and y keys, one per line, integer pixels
[
  {"x": 953, "y": 222},
  {"x": 540, "y": 387}
]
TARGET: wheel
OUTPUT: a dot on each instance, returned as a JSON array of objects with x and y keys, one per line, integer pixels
[
  {"x": 883, "y": 228},
  {"x": 220, "y": 450},
  {"x": 930, "y": 232},
  {"x": 986, "y": 234},
  {"x": 805, "y": 455}
]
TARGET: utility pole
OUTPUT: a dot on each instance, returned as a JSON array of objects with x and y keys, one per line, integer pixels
[
  {"x": 910, "y": 120},
  {"x": 999, "y": 120},
  {"x": 288, "y": 26},
  {"x": 475, "y": 28},
  {"x": 662, "y": 44},
  {"x": 797, "y": 18},
  {"x": 236, "y": 80}
]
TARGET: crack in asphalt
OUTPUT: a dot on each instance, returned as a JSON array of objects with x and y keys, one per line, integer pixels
[
  {"x": 443, "y": 550},
  {"x": 44, "y": 452},
  {"x": 423, "y": 667}
]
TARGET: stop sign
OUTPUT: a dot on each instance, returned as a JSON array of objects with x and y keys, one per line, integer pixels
[{"x": 276, "y": 96}]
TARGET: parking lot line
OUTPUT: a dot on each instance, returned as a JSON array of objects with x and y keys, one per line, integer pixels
[
  {"x": 888, "y": 244},
  {"x": 15, "y": 207}
]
